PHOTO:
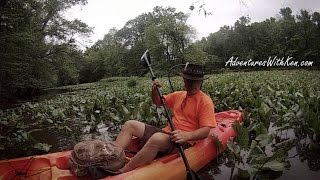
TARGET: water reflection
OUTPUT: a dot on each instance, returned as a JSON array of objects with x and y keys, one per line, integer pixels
[
  {"x": 303, "y": 156},
  {"x": 215, "y": 170},
  {"x": 308, "y": 150},
  {"x": 298, "y": 169}
]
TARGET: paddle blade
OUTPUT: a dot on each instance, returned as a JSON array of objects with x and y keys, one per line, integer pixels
[{"x": 145, "y": 58}]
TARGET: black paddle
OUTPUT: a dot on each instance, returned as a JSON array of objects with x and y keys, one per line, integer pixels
[{"x": 191, "y": 175}]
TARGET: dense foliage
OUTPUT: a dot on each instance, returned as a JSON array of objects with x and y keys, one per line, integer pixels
[
  {"x": 274, "y": 102},
  {"x": 168, "y": 38},
  {"x": 38, "y": 45},
  {"x": 289, "y": 35},
  {"x": 38, "y": 50},
  {"x": 164, "y": 31}
]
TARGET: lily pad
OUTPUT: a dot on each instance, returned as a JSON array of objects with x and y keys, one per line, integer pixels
[{"x": 42, "y": 146}]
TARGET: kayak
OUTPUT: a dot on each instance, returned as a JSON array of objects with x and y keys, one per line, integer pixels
[{"x": 54, "y": 166}]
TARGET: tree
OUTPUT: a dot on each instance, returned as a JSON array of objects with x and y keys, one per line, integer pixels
[
  {"x": 33, "y": 34},
  {"x": 306, "y": 34},
  {"x": 195, "y": 53},
  {"x": 163, "y": 31},
  {"x": 288, "y": 36}
]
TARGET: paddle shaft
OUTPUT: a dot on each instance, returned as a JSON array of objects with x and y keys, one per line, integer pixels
[{"x": 184, "y": 158}]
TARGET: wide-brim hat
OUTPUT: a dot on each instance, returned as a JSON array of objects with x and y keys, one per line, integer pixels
[{"x": 193, "y": 72}]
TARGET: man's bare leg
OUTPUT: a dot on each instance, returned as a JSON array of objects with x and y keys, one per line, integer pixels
[
  {"x": 129, "y": 129},
  {"x": 157, "y": 142}
]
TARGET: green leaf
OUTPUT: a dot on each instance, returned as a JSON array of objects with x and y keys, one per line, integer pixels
[
  {"x": 55, "y": 113},
  {"x": 29, "y": 105},
  {"x": 243, "y": 174},
  {"x": 282, "y": 106},
  {"x": 67, "y": 128},
  {"x": 49, "y": 120},
  {"x": 4, "y": 122},
  {"x": 115, "y": 117},
  {"x": 61, "y": 114},
  {"x": 260, "y": 129},
  {"x": 270, "y": 89},
  {"x": 218, "y": 143},
  {"x": 254, "y": 143},
  {"x": 257, "y": 160},
  {"x": 42, "y": 146},
  {"x": 264, "y": 108},
  {"x": 268, "y": 101},
  {"x": 252, "y": 171},
  {"x": 275, "y": 165},
  {"x": 300, "y": 113},
  {"x": 256, "y": 152},
  {"x": 283, "y": 126},
  {"x": 92, "y": 118},
  {"x": 280, "y": 155},
  {"x": 39, "y": 115},
  {"x": 233, "y": 147},
  {"x": 264, "y": 139},
  {"x": 295, "y": 108},
  {"x": 82, "y": 108},
  {"x": 75, "y": 108},
  {"x": 86, "y": 129},
  {"x": 243, "y": 137},
  {"x": 298, "y": 94},
  {"x": 25, "y": 135},
  {"x": 125, "y": 110}
]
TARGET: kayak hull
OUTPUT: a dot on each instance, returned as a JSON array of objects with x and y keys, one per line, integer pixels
[{"x": 54, "y": 166}]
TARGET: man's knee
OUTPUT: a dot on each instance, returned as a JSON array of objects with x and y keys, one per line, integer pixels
[
  {"x": 159, "y": 140},
  {"x": 131, "y": 125},
  {"x": 134, "y": 127}
]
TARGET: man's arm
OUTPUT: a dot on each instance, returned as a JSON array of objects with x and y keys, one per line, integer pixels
[
  {"x": 179, "y": 136},
  {"x": 199, "y": 134}
]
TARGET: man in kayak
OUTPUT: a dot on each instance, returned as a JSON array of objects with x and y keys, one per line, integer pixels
[{"x": 193, "y": 116}]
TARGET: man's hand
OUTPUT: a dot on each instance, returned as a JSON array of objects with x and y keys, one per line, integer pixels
[
  {"x": 156, "y": 83},
  {"x": 179, "y": 136},
  {"x": 154, "y": 94}
]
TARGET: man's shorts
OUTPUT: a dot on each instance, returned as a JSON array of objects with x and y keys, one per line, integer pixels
[{"x": 150, "y": 130}]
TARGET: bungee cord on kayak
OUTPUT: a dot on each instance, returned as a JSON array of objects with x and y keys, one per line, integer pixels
[{"x": 23, "y": 172}]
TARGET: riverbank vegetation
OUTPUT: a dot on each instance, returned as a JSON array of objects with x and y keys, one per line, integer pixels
[{"x": 39, "y": 46}]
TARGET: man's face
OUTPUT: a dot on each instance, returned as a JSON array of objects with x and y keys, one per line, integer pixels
[{"x": 192, "y": 86}]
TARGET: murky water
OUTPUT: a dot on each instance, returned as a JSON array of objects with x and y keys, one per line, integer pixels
[
  {"x": 304, "y": 162},
  {"x": 298, "y": 170},
  {"x": 300, "y": 165}
]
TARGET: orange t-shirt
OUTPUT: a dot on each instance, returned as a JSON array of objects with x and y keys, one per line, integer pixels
[{"x": 190, "y": 112}]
